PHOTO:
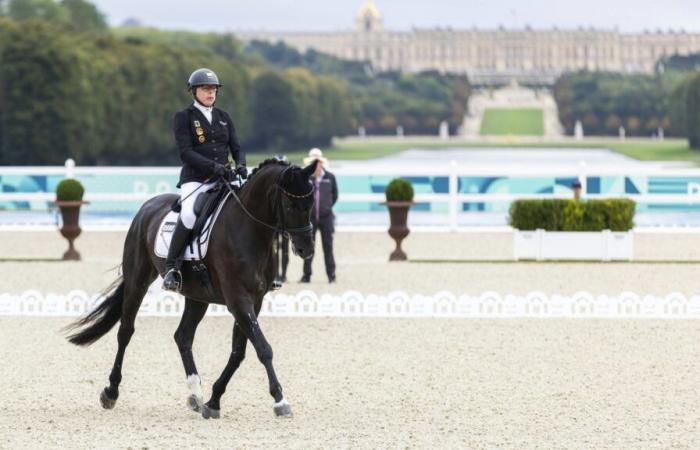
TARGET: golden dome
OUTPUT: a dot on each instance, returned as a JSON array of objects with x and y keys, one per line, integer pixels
[
  {"x": 369, "y": 11},
  {"x": 368, "y": 17}
]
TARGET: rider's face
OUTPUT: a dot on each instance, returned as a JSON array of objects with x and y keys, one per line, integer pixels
[{"x": 206, "y": 95}]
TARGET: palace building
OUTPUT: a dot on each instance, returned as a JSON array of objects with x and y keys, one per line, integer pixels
[{"x": 490, "y": 56}]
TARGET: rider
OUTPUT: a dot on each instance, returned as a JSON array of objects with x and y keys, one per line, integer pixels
[{"x": 205, "y": 135}]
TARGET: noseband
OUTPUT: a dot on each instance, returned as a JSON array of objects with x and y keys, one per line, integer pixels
[{"x": 279, "y": 211}]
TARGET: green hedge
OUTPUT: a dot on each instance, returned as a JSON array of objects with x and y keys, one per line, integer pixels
[
  {"x": 399, "y": 190},
  {"x": 69, "y": 190},
  {"x": 572, "y": 215}
]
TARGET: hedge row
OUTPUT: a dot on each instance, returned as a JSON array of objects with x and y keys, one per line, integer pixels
[{"x": 573, "y": 215}]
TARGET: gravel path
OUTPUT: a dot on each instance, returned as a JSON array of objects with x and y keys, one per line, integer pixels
[
  {"x": 365, "y": 383},
  {"x": 370, "y": 383},
  {"x": 362, "y": 265}
]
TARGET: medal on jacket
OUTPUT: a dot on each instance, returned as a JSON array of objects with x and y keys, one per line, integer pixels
[
  {"x": 201, "y": 139},
  {"x": 199, "y": 131},
  {"x": 196, "y": 123}
]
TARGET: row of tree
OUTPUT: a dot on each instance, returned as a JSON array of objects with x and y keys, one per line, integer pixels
[
  {"x": 669, "y": 99},
  {"x": 382, "y": 101},
  {"x": 685, "y": 109},
  {"x": 104, "y": 99},
  {"x": 79, "y": 14},
  {"x": 605, "y": 101}
]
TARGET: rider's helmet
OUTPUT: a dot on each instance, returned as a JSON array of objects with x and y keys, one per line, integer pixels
[{"x": 202, "y": 77}]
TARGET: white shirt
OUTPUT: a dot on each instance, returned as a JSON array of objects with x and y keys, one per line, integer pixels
[{"x": 206, "y": 111}]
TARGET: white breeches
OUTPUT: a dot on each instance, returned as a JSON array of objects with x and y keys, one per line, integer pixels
[{"x": 187, "y": 212}]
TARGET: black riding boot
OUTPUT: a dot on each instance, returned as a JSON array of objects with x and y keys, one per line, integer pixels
[{"x": 172, "y": 281}]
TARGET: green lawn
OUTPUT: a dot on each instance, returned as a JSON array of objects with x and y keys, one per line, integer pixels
[
  {"x": 512, "y": 121},
  {"x": 370, "y": 148}
]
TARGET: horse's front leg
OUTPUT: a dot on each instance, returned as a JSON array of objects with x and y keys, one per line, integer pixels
[
  {"x": 184, "y": 336},
  {"x": 212, "y": 408},
  {"x": 246, "y": 317}
]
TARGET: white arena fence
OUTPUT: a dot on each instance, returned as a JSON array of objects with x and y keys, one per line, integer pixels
[
  {"x": 450, "y": 169},
  {"x": 488, "y": 305}
]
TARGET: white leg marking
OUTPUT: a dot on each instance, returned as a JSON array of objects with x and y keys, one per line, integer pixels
[
  {"x": 282, "y": 402},
  {"x": 194, "y": 383}
]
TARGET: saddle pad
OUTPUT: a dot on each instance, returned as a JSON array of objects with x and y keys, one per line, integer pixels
[{"x": 167, "y": 226}]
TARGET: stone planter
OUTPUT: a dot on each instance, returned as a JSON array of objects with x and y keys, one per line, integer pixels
[
  {"x": 398, "y": 215},
  {"x": 603, "y": 245},
  {"x": 70, "y": 227}
]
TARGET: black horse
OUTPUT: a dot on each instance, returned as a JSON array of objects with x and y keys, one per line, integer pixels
[{"x": 277, "y": 198}]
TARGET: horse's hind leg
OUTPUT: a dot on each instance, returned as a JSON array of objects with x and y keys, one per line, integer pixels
[
  {"x": 184, "y": 336},
  {"x": 138, "y": 275}
]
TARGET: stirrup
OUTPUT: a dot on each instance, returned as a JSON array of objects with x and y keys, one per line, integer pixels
[{"x": 173, "y": 285}]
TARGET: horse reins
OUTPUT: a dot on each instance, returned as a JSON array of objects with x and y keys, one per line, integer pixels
[{"x": 278, "y": 209}]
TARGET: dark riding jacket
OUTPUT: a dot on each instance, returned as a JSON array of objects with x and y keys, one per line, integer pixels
[
  {"x": 328, "y": 194},
  {"x": 203, "y": 144}
]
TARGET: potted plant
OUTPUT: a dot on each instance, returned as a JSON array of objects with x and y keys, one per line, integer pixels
[
  {"x": 69, "y": 199},
  {"x": 570, "y": 229},
  {"x": 399, "y": 198}
]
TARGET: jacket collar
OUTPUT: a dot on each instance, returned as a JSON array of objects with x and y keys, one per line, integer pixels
[{"x": 214, "y": 113}]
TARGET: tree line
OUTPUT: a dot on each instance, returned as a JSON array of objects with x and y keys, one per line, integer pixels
[
  {"x": 685, "y": 109},
  {"x": 382, "y": 101},
  {"x": 102, "y": 97},
  {"x": 668, "y": 99},
  {"x": 72, "y": 87}
]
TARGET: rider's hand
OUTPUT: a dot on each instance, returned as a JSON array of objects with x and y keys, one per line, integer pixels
[
  {"x": 242, "y": 171},
  {"x": 219, "y": 170}
]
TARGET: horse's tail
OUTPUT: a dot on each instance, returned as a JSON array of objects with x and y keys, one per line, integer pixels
[{"x": 101, "y": 319}]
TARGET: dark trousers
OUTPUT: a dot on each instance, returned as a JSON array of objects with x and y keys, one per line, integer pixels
[{"x": 326, "y": 227}]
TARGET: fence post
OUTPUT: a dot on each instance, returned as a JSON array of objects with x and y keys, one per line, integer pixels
[
  {"x": 453, "y": 192},
  {"x": 70, "y": 168}
]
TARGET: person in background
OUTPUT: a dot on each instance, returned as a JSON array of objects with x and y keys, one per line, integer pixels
[
  {"x": 322, "y": 217},
  {"x": 576, "y": 187},
  {"x": 281, "y": 247}
]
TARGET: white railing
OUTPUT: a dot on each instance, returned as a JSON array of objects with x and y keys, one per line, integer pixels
[
  {"x": 397, "y": 304},
  {"x": 450, "y": 169}
]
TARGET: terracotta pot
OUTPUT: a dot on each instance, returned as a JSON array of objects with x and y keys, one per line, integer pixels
[
  {"x": 398, "y": 214},
  {"x": 70, "y": 214}
]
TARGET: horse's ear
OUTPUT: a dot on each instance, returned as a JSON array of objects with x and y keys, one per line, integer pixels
[{"x": 310, "y": 169}]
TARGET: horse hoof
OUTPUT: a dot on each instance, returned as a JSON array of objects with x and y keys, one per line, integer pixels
[
  {"x": 209, "y": 413},
  {"x": 282, "y": 409},
  {"x": 195, "y": 403},
  {"x": 107, "y": 403}
]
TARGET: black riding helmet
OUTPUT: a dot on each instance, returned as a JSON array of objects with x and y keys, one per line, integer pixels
[{"x": 202, "y": 77}]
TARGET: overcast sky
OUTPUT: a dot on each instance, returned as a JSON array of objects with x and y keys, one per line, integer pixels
[{"x": 328, "y": 15}]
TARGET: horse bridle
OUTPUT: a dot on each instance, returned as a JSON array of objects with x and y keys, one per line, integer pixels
[{"x": 279, "y": 210}]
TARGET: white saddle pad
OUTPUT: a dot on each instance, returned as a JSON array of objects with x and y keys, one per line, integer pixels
[{"x": 167, "y": 226}]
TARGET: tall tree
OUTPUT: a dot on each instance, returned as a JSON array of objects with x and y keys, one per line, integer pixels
[
  {"x": 84, "y": 15},
  {"x": 36, "y": 9}
]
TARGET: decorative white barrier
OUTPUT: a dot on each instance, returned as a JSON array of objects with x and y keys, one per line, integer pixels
[
  {"x": 489, "y": 305},
  {"x": 572, "y": 245}
]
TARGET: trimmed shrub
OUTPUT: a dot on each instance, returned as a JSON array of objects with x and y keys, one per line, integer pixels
[
  {"x": 399, "y": 190},
  {"x": 572, "y": 215},
  {"x": 533, "y": 214},
  {"x": 69, "y": 190}
]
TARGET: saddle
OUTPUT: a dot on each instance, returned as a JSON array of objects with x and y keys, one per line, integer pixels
[{"x": 207, "y": 208}]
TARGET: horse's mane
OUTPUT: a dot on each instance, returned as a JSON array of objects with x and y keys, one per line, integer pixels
[
  {"x": 256, "y": 173},
  {"x": 274, "y": 162},
  {"x": 267, "y": 162}
]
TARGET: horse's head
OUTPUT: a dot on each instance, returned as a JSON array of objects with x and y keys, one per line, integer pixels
[{"x": 297, "y": 201}]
